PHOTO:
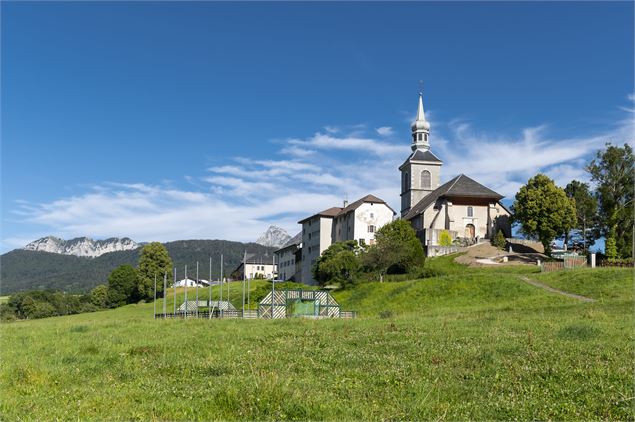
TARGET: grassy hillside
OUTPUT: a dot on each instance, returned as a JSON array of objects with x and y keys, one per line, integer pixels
[
  {"x": 472, "y": 344},
  {"x": 30, "y": 270}
]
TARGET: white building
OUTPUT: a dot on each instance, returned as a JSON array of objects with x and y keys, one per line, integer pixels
[
  {"x": 191, "y": 282},
  {"x": 356, "y": 221},
  {"x": 461, "y": 206},
  {"x": 289, "y": 258},
  {"x": 257, "y": 266}
]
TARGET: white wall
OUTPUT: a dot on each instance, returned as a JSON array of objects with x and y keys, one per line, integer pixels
[
  {"x": 286, "y": 263},
  {"x": 267, "y": 270},
  {"x": 316, "y": 237},
  {"x": 367, "y": 214}
]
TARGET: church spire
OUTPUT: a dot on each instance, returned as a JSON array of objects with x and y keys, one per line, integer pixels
[{"x": 420, "y": 128}]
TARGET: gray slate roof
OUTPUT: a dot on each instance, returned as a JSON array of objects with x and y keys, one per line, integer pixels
[
  {"x": 419, "y": 155},
  {"x": 294, "y": 241},
  {"x": 459, "y": 186}
]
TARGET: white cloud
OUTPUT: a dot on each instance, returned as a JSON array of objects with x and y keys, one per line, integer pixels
[
  {"x": 385, "y": 131},
  {"x": 237, "y": 200}
]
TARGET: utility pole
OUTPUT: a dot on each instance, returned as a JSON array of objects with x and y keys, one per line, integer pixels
[
  {"x": 155, "y": 295},
  {"x": 174, "y": 288},
  {"x": 197, "y": 289},
  {"x": 165, "y": 289},
  {"x": 186, "y": 280}
]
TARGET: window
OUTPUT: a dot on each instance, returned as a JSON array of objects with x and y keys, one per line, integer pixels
[
  {"x": 425, "y": 179},
  {"x": 470, "y": 212},
  {"x": 406, "y": 182},
  {"x": 371, "y": 228},
  {"x": 372, "y": 215},
  {"x": 309, "y": 235},
  {"x": 421, "y": 136}
]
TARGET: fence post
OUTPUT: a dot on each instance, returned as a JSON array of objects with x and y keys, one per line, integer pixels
[{"x": 592, "y": 260}]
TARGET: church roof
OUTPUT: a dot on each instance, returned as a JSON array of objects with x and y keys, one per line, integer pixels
[
  {"x": 459, "y": 186},
  {"x": 420, "y": 155},
  {"x": 368, "y": 199}
]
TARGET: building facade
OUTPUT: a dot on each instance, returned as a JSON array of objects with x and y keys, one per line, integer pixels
[
  {"x": 289, "y": 258},
  {"x": 257, "y": 266},
  {"x": 463, "y": 207},
  {"x": 358, "y": 220}
]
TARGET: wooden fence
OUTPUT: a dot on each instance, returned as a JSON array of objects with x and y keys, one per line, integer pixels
[{"x": 569, "y": 262}]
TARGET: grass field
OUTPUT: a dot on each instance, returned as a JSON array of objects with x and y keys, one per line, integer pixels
[
  {"x": 472, "y": 344},
  {"x": 4, "y": 299}
]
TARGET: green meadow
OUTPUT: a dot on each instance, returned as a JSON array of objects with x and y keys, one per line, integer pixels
[{"x": 466, "y": 344}]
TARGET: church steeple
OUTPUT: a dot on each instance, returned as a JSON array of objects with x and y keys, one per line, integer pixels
[{"x": 420, "y": 129}]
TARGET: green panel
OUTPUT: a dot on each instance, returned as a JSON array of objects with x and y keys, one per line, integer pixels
[{"x": 298, "y": 307}]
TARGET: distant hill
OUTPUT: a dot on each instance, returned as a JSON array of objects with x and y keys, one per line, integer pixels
[{"x": 23, "y": 269}]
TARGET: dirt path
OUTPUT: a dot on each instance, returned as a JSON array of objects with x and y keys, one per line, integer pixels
[{"x": 551, "y": 289}]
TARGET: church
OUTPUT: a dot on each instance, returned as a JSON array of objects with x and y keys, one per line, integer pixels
[{"x": 462, "y": 208}]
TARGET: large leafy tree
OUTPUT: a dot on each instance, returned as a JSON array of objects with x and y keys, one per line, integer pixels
[
  {"x": 612, "y": 171},
  {"x": 122, "y": 286},
  {"x": 586, "y": 206},
  {"x": 153, "y": 261},
  {"x": 543, "y": 210},
  {"x": 339, "y": 263},
  {"x": 396, "y": 250}
]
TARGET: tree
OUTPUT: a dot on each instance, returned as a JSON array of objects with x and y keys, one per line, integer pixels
[
  {"x": 586, "y": 206},
  {"x": 153, "y": 261},
  {"x": 612, "y": 171},
  {"x": 122, "y": 286},
  {"x": 338, "y": 264},
  {"x": 543, "y": 210},
  {"x": 396, "y": 250},
  {"x": 499, "y": 240},
  {"x": 610, "y": 248},
  {"x": 99, "y": 296}
]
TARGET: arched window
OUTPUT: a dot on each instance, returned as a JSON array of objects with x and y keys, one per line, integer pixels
[
  {"x": 406, "y": 182},
  {"x": 425, "y": 179}
]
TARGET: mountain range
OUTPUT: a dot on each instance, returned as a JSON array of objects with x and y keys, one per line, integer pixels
[
  {"x": 82, "y": 246},
  {"x": 24, "y": 269}
]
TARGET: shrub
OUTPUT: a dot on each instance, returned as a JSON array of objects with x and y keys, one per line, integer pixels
[
  {"x": 499, "y": 240},
  {"x": 610, "y": 248},
  {"x": 445, "y": 239}
]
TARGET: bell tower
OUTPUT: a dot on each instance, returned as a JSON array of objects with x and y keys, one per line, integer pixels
[{"x": 421, "y": 172}]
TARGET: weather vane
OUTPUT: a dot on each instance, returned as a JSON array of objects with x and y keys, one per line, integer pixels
[{"x": 421, "y": 86}]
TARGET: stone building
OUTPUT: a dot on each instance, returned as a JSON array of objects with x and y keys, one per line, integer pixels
[{"x": 462, "y": 207}]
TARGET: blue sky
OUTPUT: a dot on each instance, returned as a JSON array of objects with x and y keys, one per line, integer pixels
[{"x": 165, "y": 121}]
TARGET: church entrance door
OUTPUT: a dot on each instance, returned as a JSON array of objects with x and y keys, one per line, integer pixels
[{"x": 470, "y": 231}]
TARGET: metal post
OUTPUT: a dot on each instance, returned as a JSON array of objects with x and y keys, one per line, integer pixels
[
  {"x": 584, "y": 233},
  {"x": 197, "y": 289},
  {"x": 221, "y": 283},
  {"x": 209, "y": 295},
  {"x": 155, "y": 296},
  {"x": 186, "y": 305},
  {"x": 165, "y": 289},
  {"x": 273, "y": 294},
  {"x": 174, "y": 288},
  {"x": 244, "y": 258}
]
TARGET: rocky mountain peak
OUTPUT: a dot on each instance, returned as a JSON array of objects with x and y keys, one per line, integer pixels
[
  {"x": 81, "y": 246},
  {"x": 274, "y": 236}
]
